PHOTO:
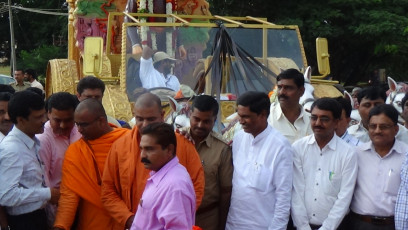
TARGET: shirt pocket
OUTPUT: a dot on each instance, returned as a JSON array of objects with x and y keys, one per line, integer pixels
[
  {"x": 259, "y": 177},
  {"x": 392, "y": 182},
  {"x": 332, "y": 183}
]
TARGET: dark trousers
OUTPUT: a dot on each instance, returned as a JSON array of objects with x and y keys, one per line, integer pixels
[
  {"x": 356, "y": 224},
  {"x": 35, "y": 220}
]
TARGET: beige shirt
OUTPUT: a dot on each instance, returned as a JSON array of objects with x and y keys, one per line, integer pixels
[
  {"x": 378, "y": 180},
  {"x": 292, "y": 132},
  {"x": 216, "y": 158},
  {"x": 19, "y": 88}
]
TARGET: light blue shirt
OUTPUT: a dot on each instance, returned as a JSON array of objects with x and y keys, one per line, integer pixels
[
  {"x": 351, "y": 140},
  {"x": 401, "y": 207},
  {"x": 22, "y": 179}
]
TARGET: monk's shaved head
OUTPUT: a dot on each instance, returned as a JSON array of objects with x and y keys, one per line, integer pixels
[
  {"x": 147, "y": 100},
  {"x": 148, "y": 110},
  {"x": 92, "y": 105}
]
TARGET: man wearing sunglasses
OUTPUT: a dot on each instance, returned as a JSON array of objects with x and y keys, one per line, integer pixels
[{"x": 379, "y": 168}]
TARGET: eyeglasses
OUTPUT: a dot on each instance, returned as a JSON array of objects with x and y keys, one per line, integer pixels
[
  {"x": 382, "y": 127},
  {"x": 85, "y": 124},
  {"x": 322, "y": 119}
]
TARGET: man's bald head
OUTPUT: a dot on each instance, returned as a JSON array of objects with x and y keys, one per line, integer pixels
[
  {"x": 91, "y": 120},
  {"x": 148, "y": 110},
  {"x": 92, "y": 105},
  {"x": 148, "y": 100}
]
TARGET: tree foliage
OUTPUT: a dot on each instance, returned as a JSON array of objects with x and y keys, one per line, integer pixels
[{"x": 363, "y": 35}]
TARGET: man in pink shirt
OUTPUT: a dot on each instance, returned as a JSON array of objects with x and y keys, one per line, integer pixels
[
  {"x": 59, "y": 132},
  {"x": 168, "y": 201}
]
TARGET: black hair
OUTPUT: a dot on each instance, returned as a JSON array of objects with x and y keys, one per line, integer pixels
[
  {"x": 387, "y": 110},
  {"x": 62, "y": 101},
  {"x": 31, "y": 72},
  {"x": 7, "y": 88},
  {"x": 5, "y": 96},
  {"x": 345, "y": 104},
  {"x": 256, "y": 101},
  {"x": 205, "y": 103},
  {"x": 37, "y": 91},
  {"x": 22, "y": 103},
  {"x": 371, "y": 93},
  {"x": 293, "y": 74},
  {"x": 163, "y": 132},
  {"x": 328, "y": 104},
  {"x": 90, "y": 82},
  {"x": 404, "y": 100}
]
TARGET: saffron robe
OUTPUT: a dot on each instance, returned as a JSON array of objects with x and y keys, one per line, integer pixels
[{"x": 80, "y": 186}]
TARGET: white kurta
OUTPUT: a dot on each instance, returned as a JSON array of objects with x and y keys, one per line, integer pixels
[{"x": 262, "y": 181}]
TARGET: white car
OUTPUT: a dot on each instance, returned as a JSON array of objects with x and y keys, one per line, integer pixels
[{"x": 6, "y": 80}]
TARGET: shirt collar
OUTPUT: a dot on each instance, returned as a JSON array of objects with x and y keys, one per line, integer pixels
[
  {"x": 331, "y": 145},
  {"x": 397, "y": 147},
  {"x": 156, "y": 177},
  {"x": 279, "y": 114},
  {"x": 208, "y": 140},
  {"x": 29, "y": 142},
  {"x": 262, "y": 135}
]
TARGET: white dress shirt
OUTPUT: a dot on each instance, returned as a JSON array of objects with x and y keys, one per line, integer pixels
[
  {"x": 2, "y": 136},
  {"x": 361, "y": 133},
  {"x": 22, "y": 180},
  {"x": 152, "y": 78},
  {"x": 323, "y": 182},
  {"x": 349, "y": 139},
  {"x": 262, "y": 181},
  {"x": 378, "y": 180},
  {"x": 37, "y": 84},
  {"x": 292, "y": 132}
]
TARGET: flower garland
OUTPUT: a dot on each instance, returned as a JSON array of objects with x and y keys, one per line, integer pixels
[
  {"x": 143, "y": 29},
  {"x": 169, "y": 35}
]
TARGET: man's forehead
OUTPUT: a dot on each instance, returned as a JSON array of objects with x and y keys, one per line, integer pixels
[{"x": 368, "y": 100}]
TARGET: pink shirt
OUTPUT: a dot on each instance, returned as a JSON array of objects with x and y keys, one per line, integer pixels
[
  {"x": 168, "y": 201},
  {"x": 52, "y": 152}
]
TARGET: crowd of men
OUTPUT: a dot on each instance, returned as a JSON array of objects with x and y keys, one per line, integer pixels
[{"x": 65, "y": 164}]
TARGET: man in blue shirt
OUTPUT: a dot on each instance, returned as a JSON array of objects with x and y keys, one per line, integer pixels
[{"x": 22, "y": 185}]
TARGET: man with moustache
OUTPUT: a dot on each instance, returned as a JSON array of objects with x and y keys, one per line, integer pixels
[
  {"x": 22, "y": 183},
  {"x": 262, "y": 177},
  {"x": 124, "y": 177},
  {"x": 288, "y": 116},
  {"x": 324, "y": 171},
  {"x": 379, "y": 169},
  {"x": 156, "y": 72},
  {"x": 168, "y": 200},
  {"x": 215, "y": 156},
  {"x": 59, "y": 132},
  {"x": 20, "y": 84}
]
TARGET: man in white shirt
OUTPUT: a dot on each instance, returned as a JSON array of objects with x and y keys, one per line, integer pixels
[
  {"x": 344, "y": 122},
  {"x": 31, "y": 76},
  {"x": 324, "y": 172},
  {"x": 22, "y": 183},
  {"x": 5, "y": 122},
  {"x": 262, "y": 177},
  {"x": 156, "y": 72},
  {"x": 379, "y": 168},
  {"x": 288, "y": 116},
  {"x": 368, "y": 98}
]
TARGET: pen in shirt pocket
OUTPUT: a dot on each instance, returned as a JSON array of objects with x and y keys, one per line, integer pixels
[
  {"x": 390, "y": 172},
  {"x": 331, "y": 174}
]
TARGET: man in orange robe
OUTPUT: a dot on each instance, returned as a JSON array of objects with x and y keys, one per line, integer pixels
[
  {"x": 82, "y": 170},
  {"x": 125, "y": 177}
]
